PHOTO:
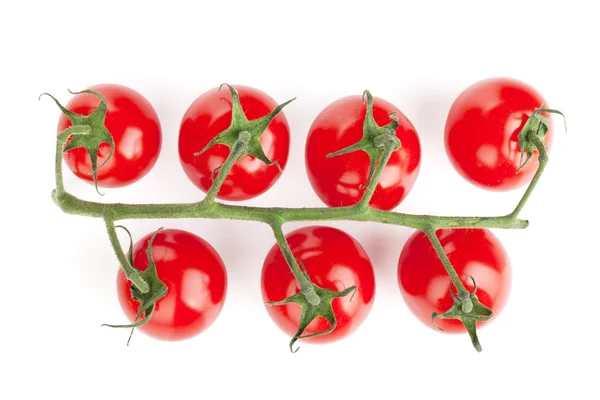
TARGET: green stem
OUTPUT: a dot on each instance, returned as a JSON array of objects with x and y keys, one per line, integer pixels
[
  {"x": 117, "y": 211},
  {"x": 543, "y": 160},
  {"x": 237, "y": 150},
  {"x": 388, "y": 150},
  {"x": 60, "y": 144},
  {"x": 131, "y": 273},
  {"x": 306, "y": 286},
  {"x": 463, "y": 293}
]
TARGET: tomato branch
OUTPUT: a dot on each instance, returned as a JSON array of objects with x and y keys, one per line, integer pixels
[
  {"x": 118, "y": 211},
  {"x": 238, "y": 150},
  {"x": 306, "y": 287},
  {"x": 131, "y": 273},
  {"x": 463, "y": 293},
  {"x": 212, "y": 210},
  {"x": 60, "y": 144},
  {"x": 543, "y": 160},
  {"x": 389, "y": 146}
]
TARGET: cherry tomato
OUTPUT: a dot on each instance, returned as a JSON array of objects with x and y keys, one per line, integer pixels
[
  {"x": 482, "y": 131},
  {"x": 338, "y": 180},
  {"x": 136, "y": 131},
  {"x": 209, "y": 115},
  {"x": 196, "y": 283},
  {"x": 333, "y": 260},
  {"x": 425, "y": 285}
]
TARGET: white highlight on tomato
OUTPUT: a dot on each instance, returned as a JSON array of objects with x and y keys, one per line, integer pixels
[
  {"x": 350, "y": 178},
  {"x": 131, "y": 143},
  {"x": 163, "y": 253},
  {"x": 485, "y": 277},
  {"x": 194, "y": 290},
  {"x": 214, "y": 162},
  {"x": 437, "y": 289},
  {"x": 307, "y": 255},
  {"x": 390, "y": 176},
  {"x": 346, "y": 190},
  {"x": 252, "y": 164},
  {"x": 449, "y": 247},
  {"x": 488, "y": 155}
]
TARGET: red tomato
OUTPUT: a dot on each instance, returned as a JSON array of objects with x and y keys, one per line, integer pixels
[
  {"x": 482, "y": 131},
  {"x": 333, "y": 260},
  {"x": 338, "y": 180},
  {"x": 136, "y": 131},
  {"x": 209, "y": 115},
  {"x": 196, "y": 283},
  {"x": 425, "y": 285}
]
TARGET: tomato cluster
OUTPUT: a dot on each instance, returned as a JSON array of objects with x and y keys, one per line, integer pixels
[{"x": 482, "y": 142}]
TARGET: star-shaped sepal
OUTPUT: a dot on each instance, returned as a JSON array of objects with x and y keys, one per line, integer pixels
[
  {"x": 375, "y": 138},
  {"x": 311, "y": 312},
  {"x": 468, "y": 311},
  {"x": 87, "y": 131},
  {"x": 535, "y": 127},
  {"x": 148, "y": 300},
  {"x": 239, "y": 123}
]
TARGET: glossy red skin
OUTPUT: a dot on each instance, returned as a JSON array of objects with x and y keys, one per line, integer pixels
[
  {"x": 196, "y": 282},
  {"x": 136, "y": 131},
  {"x": 209, "y": 115},
  {"x": 333, "y": 260},
  {"x": 482, "y": 130},
  {"x": 425, "y": 285},
  {"x": 337, "y": 180}
]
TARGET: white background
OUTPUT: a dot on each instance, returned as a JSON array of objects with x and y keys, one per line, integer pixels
[{"x": 57, "y": 281}]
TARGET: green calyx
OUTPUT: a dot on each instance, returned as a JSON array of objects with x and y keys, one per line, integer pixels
[
  {"x": 467, "y": 310},
  {"x": 148, "y": 300},
  {"x": 87, "y": 131},
  {"x": 310, "y": 312},
  {"x": 240, "y": 124},
  {"x": 536, "y": 126},
  {"x": 375, "y": 138}
]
